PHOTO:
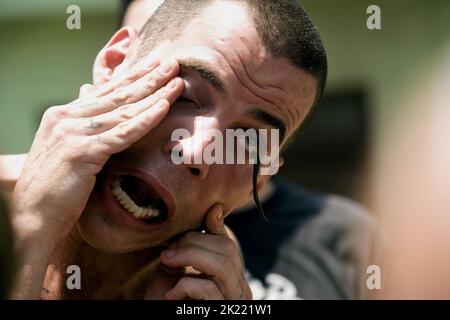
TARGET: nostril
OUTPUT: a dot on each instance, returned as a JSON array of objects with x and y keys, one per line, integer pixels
[{"x": 195, "y": 171}]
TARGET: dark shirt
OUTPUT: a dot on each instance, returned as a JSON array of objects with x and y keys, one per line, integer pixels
[{"x": 312, "y": 246}]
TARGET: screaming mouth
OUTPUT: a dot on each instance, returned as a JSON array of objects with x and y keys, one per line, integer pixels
[{"x": 139, "y": 199}]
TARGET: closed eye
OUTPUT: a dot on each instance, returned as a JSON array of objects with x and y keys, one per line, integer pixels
[
  {"x": 184, "y": 100},
  {"x": 188, "y": 101}
]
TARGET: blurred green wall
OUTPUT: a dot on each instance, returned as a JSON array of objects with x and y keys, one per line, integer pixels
[
  {"x": 42, "y": 63},
  {"x": 389, "y": 62}
]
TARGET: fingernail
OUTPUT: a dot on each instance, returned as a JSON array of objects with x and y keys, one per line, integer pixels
[
  {"x": 169, "y": 253},
  {"x": 172, "y": 84},
  {"x": 166, "y": 67}
]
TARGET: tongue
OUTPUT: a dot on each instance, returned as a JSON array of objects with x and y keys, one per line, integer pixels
[{"x": 139, "y": 191}]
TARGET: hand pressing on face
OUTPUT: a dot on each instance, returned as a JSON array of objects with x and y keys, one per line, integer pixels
[
  {"x": 74, "y": 141},
  {"x": 71, "y": 146},
  {"x": 203, "y": 265}
]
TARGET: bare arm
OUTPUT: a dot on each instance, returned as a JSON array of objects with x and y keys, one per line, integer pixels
[{"x": 57, "y": 180}]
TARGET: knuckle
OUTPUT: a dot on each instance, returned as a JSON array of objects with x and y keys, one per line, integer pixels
[
  {"x": 107, "y": 102},
  {"x": 124, "y": 108},
  {"x": 121, "y": 96},
  {"x": 125, "y": 113},
  {"x": 111, "y": 105},
  {"x": 61, "y": 112},
  {"x": 150, "y": 84},
  {"x": 123, "y": 130},
  {"x": 53, "y": 114},
  {"x": 132, "y": 76}
]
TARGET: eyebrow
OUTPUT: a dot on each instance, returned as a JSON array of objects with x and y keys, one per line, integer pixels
[
  {"x": 204, "y": 71},
  {"x": 210, "y": 76},
  {"x": 267, "y": 118}
]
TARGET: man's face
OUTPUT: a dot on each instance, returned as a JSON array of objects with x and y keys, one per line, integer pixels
[{"x": 223, "y": 41}]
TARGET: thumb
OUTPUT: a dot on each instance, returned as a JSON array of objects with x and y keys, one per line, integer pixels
[{"x": 214, "y": 220}]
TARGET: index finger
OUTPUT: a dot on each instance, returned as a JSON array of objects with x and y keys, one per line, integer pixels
[
  {"x": 140, "y": 89},
  {"x": 136, "y": 72}
]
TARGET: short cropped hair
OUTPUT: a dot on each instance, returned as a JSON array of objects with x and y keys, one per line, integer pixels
[{"x": 283, "y": 26}]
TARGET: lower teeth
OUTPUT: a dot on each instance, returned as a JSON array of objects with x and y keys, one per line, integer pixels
[{"x": 128, "y": 204}]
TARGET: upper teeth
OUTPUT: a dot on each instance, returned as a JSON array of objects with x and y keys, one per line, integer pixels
[{"x": 137, "y": 211}]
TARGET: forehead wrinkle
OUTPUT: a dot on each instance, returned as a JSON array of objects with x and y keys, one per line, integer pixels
[
  {"x": 290, "y": 124},
  {"x": 257, "y": 108},
  {"x": 292, "y": 116},
  {"x": 295, "y": 114},
  {"x": 218, "y": 43}
]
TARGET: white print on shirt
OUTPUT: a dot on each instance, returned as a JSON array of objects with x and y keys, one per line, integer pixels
[{"x": 277, "y": 288}]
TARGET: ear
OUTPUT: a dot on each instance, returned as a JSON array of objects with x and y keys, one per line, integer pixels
[{"x": 112, "y": 56}]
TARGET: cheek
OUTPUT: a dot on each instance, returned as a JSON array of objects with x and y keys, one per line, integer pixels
[
  {"x": 244, "y": 175},
  {"x": 238, "y": 183}
]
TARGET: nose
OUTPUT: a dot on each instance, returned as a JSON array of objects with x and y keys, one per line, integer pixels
[
  {"x": 189, "y": 151},
  {"x": 192, "y": 150}
]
